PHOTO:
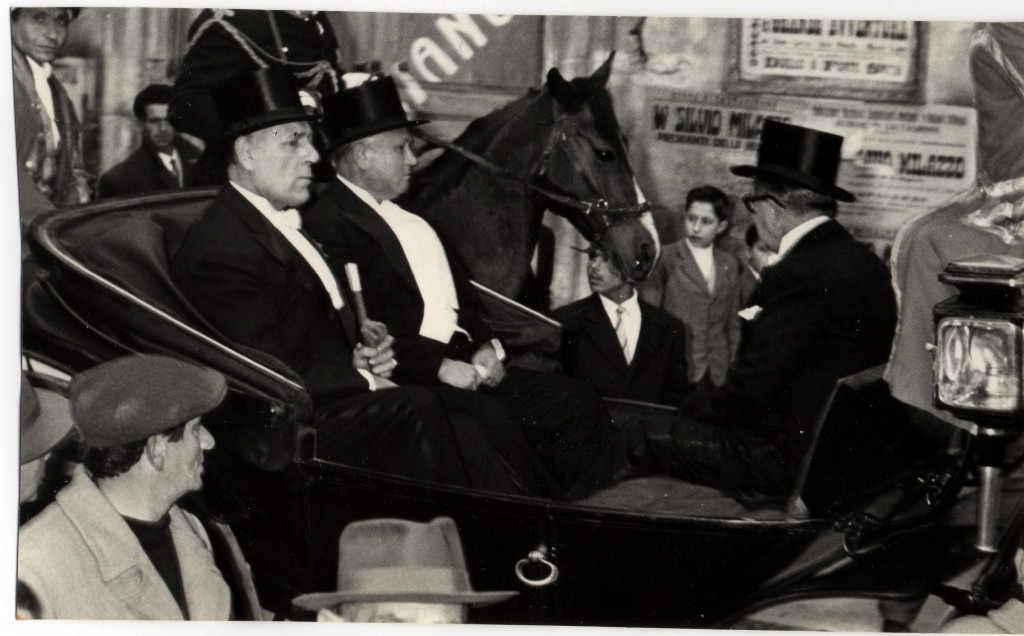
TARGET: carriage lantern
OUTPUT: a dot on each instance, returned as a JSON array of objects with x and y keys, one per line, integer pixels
[{"x": 979, "y": 338}]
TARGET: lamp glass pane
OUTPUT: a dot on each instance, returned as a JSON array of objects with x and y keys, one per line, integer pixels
[{"x": 979, "y": 364}]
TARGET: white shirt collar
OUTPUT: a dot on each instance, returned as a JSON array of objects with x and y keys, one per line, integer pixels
[
  {"x": 793, "y": 236},
  {"x": 44, "y": 70},
  {"x": 362, "y": 193},
  {"x": 631, "y": 304},
  {"x": 289, "y": 217},
  {"x": 703, "y": 251}
]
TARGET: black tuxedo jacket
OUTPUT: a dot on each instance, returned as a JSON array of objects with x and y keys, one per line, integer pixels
[
  {"x": 254, "y": 287},
  {"x": 349, "y": 231},
  {"x": 590, "y": 350},
  {"x": 826, "y": 311},
  {"x": 143, "y": 171}
]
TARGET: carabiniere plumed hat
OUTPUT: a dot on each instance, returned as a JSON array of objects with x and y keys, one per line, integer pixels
[
  {"x": 393, "y": 560},
  {"x": 361, "y": 111},
  {"x": 802, "y": 156},
  {"x": 258, "y": 99}
]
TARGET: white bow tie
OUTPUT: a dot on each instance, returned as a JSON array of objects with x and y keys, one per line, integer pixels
[{"x": 291, "y": 218}]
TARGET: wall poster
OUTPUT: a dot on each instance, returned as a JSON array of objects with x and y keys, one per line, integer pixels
[
  {"x": 899, "y": 160},
  {"x": 863, "y": 59}
]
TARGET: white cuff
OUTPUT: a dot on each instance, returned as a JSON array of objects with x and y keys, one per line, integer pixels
[
  {"x": 372, "y": 381},
  {"x": 499, "y": 350}
]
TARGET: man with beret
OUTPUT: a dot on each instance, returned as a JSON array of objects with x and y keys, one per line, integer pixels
[
  {"x": 415, "y": 286},
  {"x": 249, "y": 268},
  {"x": 163, "y": 161},
  {"x": 398, "y": 571},
  {"x": 822, "y": 312},
  {"x": 115, "y": 544}
]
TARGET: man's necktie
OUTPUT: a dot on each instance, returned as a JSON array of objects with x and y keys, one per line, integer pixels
[
  {"x": 620, "y": 331},
  {"x": 176, "y": 171}
]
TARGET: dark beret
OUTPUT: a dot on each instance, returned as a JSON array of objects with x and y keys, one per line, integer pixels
[{"x": 135, "y": 397}]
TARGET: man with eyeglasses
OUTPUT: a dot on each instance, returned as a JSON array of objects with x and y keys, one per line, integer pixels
[{"x": 824, "y": 311}]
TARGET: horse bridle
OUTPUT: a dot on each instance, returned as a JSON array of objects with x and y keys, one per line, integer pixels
[{"x": 558, "y": 140}]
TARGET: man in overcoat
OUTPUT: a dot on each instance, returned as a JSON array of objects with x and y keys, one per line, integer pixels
[
  {"x": 824, "y": 311},
  {"x": 416, "y": 286},
  {"x": 115, "y": 544},
  {"x": 163, "y": 161}
]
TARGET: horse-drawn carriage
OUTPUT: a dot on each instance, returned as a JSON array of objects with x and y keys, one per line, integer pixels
[{"x": 873, "y": 513}]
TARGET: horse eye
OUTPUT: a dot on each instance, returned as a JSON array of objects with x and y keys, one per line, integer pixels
[{"x": 605, "y": 155}]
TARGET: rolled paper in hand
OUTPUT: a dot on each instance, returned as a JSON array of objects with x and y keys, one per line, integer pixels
[{"x": 370, "y": 332}]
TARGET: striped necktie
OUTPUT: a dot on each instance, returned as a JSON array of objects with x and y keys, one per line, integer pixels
[{"x": 620, "y": 331}]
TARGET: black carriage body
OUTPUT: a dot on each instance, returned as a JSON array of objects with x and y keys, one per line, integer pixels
[{"x": 105, "y": 292}]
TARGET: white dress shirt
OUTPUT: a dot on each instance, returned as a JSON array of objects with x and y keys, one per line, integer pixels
[
  {"x": 793, "y": 236},
  {"x": 429, "y": 264},
  {"x": 40, "y": 77},
  {"x": 705, "y": 259},
  {"x": 288, "y": 222},
  {"x": 630, "y": 320}
]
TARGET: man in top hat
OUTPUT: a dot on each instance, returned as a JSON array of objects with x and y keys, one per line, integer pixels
[
  {"x": 419, "y": 289},
  {"x": 824, "y": 311},
  {"x": 256, "y": 277},
  {"x": 115, "y": 544},
  {"x": 47, "y": 134},
  {"x": 397, "y": 571},
  {"x": 45, "y": 421},
  {"x": 162, "y": 162}
]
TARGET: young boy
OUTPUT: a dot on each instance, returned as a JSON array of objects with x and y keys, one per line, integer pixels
[
  {"x": 759, "y": 256},
  {"x": 699, "y": 284}
]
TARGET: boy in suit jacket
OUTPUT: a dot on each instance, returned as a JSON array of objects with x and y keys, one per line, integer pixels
[
  {"x": 625, "y": 347},
  {"x": 699, "y": 285}
]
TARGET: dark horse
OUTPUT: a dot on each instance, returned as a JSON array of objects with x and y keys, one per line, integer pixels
[{"x": 560, "y": 149}]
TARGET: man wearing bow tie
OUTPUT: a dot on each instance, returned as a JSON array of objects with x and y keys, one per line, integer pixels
[{"x": 246, "y": 265}]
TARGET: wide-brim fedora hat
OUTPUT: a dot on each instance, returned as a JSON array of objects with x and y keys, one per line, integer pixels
[
  {"x": 45, "y": 420},
  {"x": 258, "y": 99},
  {"x": 801, "y": 156},
  {"x": 394, "y": 560},
  {"x": 363, "y": 110}
]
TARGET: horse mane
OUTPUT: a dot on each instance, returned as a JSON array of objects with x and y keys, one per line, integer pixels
[{"x": 447, "y": 171}]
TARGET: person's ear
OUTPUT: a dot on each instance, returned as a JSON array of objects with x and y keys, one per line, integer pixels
[
  {"x": 156, "y": 451},
  {"x": 722, "y": 227},
  {"x": 243, "y": 152}
]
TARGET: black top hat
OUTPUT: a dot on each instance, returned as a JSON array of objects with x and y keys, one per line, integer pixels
[
  {"x": 803, "y": 156},
  {"x": 258, "y": 99},
  {"x": 370, "y": 108}
]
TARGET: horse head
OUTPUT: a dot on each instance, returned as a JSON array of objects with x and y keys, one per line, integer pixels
[{"x": 586, "y": 175}]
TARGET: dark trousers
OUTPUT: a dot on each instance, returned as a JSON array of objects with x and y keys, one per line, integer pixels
[
  {"x": 565, "y": 421},
  {"x": 730, "y": 457}
]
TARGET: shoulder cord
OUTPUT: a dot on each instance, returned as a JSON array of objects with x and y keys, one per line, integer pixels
[{"x": 314, "y": 73}]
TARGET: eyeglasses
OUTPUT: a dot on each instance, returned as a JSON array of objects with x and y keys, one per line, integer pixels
[{"x": 751, "y": 200}]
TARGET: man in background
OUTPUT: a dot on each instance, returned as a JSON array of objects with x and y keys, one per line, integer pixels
[
  {"x": 397, "y": 571},
  {"x": 625, "y": 347},
  {"x": 47, "y": 131},
  {"x": 162, "y": 162}
]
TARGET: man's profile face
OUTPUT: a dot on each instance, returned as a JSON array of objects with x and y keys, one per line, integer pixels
[
  {"x": 157, "y": 130},
  {"x": 605, "y": 278},
  {"x": 389, "y": 163},
  {"x": 40, "y": 33},
  {"x": 184, "y": 461},
  {"x": 280, "y": 160}
]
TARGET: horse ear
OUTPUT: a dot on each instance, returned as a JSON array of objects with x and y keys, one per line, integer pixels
[
  {"x": 600, "y": 76},
  {"x": 560, "y": 88}
]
